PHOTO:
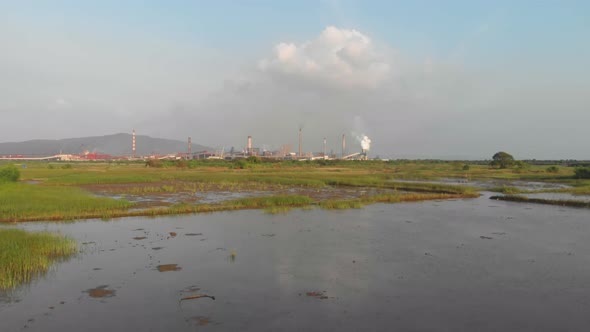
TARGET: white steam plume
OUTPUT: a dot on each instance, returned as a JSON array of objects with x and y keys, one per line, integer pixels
[{"x": 365, "y": 142}]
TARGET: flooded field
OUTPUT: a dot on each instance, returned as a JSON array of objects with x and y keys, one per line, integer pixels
[
  {"x": 495, "y": 183},
  {"x": 152, "y": 199},
  {"x": 461, "y": 265}
]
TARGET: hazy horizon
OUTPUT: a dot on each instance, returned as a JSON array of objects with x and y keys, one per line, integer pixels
[{"x": 425, "y": 79}]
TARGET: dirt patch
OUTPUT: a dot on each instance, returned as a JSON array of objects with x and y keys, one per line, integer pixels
[
  {"x": 100, "y": 291},
  {"x": 168, "y": 267},
  {"x": 172, "y": 234}
]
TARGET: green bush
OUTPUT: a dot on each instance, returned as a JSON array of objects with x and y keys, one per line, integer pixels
[
  {"x": 582, "y": 173},
  {"x": 67, "y": 166},
  {"x": 9, "y": 174},
  {"x": 552, "y": 169},
  {"x": 466, "y": 167},
  {"x": 157, "y": 163},
  {"x": 239, "y": 164}
]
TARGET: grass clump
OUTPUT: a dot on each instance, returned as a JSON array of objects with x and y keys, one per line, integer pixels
[
  {"x": 9, "y": 174},
  {"x": 333, "y": 204},
  {"x": 277, "y": 209},
  {"x": 270, "y": 202},
  {"x": 24, "y": 256}
]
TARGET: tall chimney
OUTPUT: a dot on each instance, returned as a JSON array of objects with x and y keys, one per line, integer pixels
[
  {"x": 133, "y": 143},
  {"x": 343, "y": 145},
  {"x": 300, "y": 151},
  {"x": 190, "y": 148},
  {"x": 324, "y": 147},
  {"x": 249, "y": 148}
]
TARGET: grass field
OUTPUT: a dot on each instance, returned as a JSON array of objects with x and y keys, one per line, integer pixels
[{"x": 23, "y": 255}]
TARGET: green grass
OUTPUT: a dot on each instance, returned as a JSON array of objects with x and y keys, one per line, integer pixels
[
  {"x": 22, "y": 201},
  {"x": 24, "y": 256}
]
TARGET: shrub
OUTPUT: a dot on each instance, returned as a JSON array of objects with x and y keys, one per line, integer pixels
[
  {"x": 9, "y": 174},
  {"x": 182, "y": 164},
  {"x": 253, "y": 159},
  {"x": 582, "y": 173},
  {"x": 239, "y": 164},
  {"x": 552, "y": 169},
  {"x": 67, "y": 166},
  {"x": 154, "y": 163},
  {"x": 466, "y": 167}
]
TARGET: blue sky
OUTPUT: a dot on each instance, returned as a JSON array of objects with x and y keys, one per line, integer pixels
[
  {"x": 433, "y": 28},
  {"x": 514, "y": 58}
]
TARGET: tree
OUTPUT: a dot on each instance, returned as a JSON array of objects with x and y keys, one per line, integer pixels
[{"x": 502, "y": 160}]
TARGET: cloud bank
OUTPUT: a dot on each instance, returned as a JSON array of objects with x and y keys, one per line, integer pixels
[{"x": 340, "y": 57}]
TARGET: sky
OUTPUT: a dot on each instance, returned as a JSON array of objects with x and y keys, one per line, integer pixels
[{"x": 421, "y": 79}]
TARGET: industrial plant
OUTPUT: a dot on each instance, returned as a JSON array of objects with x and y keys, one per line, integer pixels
[{"x": 285, "y": 152}]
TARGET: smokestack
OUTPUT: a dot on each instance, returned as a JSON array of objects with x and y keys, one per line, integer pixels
[
  {"x": 343, "y": 145},
  {"x": 190, "y": 147},
  {"x": 133, "y": 143},
  {"x": 249, "y": 148},
  {"x": 300, "y": 151},
  {"x": 324, "y": 147}
]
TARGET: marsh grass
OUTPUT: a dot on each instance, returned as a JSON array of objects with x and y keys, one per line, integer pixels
[
  {"x": 508, "y": 190},
  {"x": 24, "y": 255},
  {"x": 21, "y": 201},
  {"x": 560, "y": 202},
  {"x": 278, "y": 209}
]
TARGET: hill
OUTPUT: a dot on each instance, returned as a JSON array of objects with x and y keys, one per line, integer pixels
[{"x": 115, "y": 145}]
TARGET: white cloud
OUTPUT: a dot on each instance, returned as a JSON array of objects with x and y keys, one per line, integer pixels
[{"x": 337, "y": 57}]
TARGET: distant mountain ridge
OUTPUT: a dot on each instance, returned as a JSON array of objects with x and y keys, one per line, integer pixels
[{"x": 115, "y": 145}]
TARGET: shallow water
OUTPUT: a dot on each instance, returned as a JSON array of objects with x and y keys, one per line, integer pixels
[
  {"x": 559, "y": 196},
  {"x": 462, "y": 265}
]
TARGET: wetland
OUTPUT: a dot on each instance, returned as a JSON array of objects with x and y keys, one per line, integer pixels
[{"x": 378, "y": 247}]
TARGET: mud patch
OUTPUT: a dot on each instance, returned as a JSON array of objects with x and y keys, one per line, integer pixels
[
  {"x": 321, "y": 295},
  {"x": 193, "y": 234},
  {"x": 100, "y": 292},
  {"x": 191, "y": 289},
  {"x": 157, "y": 248},
  {"x": 140, "y": 238},
  {"x": 200, "y": 320},
  {"x": 168, "y": 267},
  {"x": 172, "y": 234}
]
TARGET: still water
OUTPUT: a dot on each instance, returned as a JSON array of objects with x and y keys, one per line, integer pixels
[{"x": 463, "y": 265}]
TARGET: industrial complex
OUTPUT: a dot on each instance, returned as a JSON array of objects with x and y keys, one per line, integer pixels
[{"x": 283, "y": 153}]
